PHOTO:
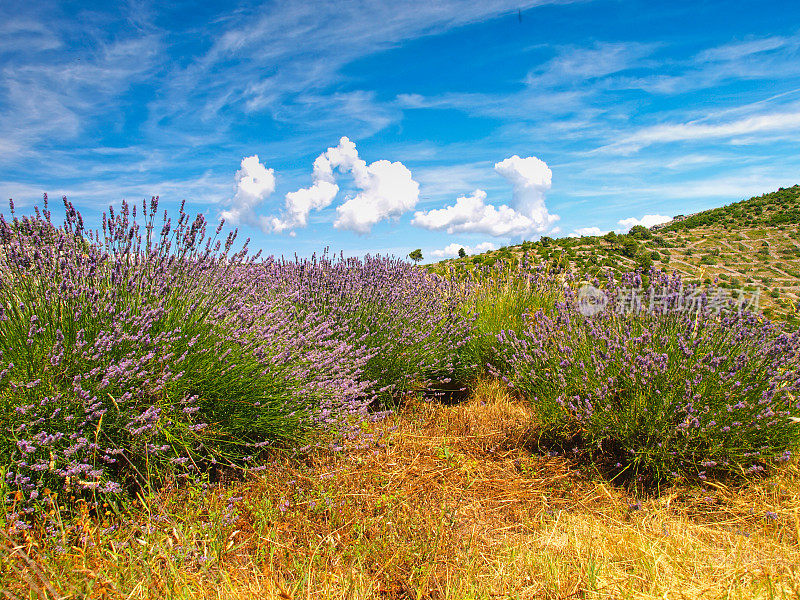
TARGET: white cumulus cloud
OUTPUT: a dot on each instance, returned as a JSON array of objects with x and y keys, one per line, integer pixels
[
  {"x": 646, "y": 221},
  {"x": 531, "y": 179},
  {"x": 526, "y": 213},
  {"x": 254, "y": 183},
  {"x": 387, "y": 189},
  {"x": 451, "y": 250},
  {"x": 587, "y": 231},
  {"x": 471, "y": 214},
  {"x": 299, "y": 204}
]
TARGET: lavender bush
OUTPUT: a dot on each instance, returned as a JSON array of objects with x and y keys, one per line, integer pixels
[
  {"x": 409, "y": 323},
  {"x": 669, "y": 390},
  {"x": 501, "y": 297},
  {"x": 132, "y": 352}
]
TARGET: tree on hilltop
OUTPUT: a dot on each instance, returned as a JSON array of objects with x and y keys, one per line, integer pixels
[{"x": 640, "y": 232}]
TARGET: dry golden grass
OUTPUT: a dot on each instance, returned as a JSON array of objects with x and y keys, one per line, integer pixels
[{"x": 453, "y": 507}]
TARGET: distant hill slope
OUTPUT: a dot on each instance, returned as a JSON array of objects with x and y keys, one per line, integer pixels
[
  {"x": 773, "y": 209},
  {"x": 753, "y": 245}
]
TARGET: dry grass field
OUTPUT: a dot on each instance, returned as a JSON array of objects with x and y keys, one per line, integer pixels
[{"x": 450, "y": 503}]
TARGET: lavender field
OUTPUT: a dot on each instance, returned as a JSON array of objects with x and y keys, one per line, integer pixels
[{"x": 158, "y": 352}]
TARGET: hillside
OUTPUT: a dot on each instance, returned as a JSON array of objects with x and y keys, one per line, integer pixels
[
  {"x": 768, "y": 210},
  {"x": 752, "y": 245}
]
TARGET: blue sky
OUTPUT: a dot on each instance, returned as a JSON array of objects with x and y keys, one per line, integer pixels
[{"x": 466, "y": 124}]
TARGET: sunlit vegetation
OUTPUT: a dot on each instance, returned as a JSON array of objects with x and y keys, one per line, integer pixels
[{"x": 184, "y": 419}]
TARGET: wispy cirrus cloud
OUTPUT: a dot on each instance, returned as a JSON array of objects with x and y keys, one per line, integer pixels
[
  {"x": 19, "y": 35},
  {"x": 206, "y": 191},
  {"x": 576, "y": 93},
  {"x": 559, "y": 86},
  {"x": 52, "y": 88},
  {"x": 195, "y": 83},
  {"x": 575, "y": 65},
  {"x": 735, "y": 51},
  {"x": 311, "y": 42},
  {"x": 753, "y": 58},
  {"x": 698, "y": 131}
]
